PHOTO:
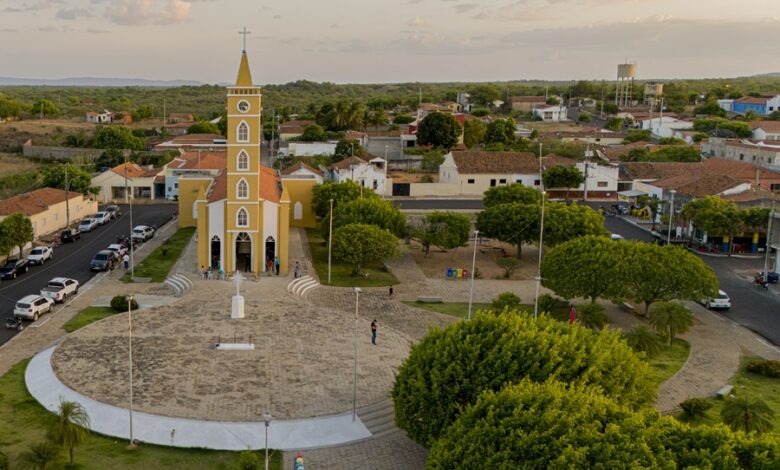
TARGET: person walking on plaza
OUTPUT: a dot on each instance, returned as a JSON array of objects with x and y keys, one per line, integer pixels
[
  {"x": 297, "y": 272},
  {"x": 391, "y": 292},
  {"x": 277, "y": 264},
  {"x": 373, "y": 332},
  {"x": 572, "y": 314},
  {"x": 126, "y": 261}
]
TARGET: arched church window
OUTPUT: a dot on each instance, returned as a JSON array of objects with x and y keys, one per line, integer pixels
[
  {"x": 243, "y": 132},
  {"x": 298, "y": 211},
  {"x": 242, "y": 218},
  {"x": 243, "y": 161},
  {"x": 242, "y": 191}
]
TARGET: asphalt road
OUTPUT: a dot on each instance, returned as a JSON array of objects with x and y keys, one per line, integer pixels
[
  {"x": 751, "y": 307},
  {"x": 72, "y": 259}
]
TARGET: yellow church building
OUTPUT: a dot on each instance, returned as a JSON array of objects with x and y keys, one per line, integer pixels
[{"x": 243, "y": 214}]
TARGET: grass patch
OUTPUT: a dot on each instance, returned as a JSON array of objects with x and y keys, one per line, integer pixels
[
  {"x": 23, "y": 422},
  {"x": 668, "y": 362},
  {"x": 87, "y": 316},
  {"x": 341, "y": 273},
  {"x": 745, "y": 384},
  {"x": 159, "y": 262},
  {"x": 461, "y": 309}
]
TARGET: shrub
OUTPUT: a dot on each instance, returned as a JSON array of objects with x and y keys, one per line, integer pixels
[
  {"x": 592, "y": 315},
  {"x": 249, "y": 460},
  {"x": 505, "y": 300},
  {"x": 643, "y": 339},
  {"x": 695, "y": 407},
  {"x": 548, "y": 303},
  {"x": 119, "y": 303},
  {"x": 508, "y": 265},
  {"x": 449, "y": 368},
  {"x": 766, "y": 368}
]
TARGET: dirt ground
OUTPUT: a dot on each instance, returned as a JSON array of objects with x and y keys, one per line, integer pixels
[
  {"x": 436, "y": 263},
  {"x": 14, "y": 165}
]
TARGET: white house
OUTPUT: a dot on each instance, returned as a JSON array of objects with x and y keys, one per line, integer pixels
[
  {"x": 369, "y": 174},
  {"x": 302, "y": 171},
  {"x": 139, "y": 181},
  {"x": 550, "y": 113},
  {"x": 665, "y": 126},
  {"x": 766, "y": 130},
  {"x": 100, "y": 118},
  {"x": 310, "y": 149}
]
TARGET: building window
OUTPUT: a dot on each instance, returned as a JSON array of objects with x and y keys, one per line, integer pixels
[
  {"x": 176, "y": 185},
  {"x": 519, "y": 181},
  {"x": 775, "y": 187},
  {"x": 376, "y": 184},
  {"x": 536, "y": 182},
  {"x": 601, "y": 184},
  {"x": 741, "y": 156},
  {"x": 242, "y": 218},
  {"x": 242, "y": 191},
  {"x": 298, "y": 211},
  {"x": 492, "y": 182},
  {"x": 243, "y": 132},
  {"x": 243, "y": 161},
  {"x": 502, "y": 181},
  {"x": 470, "y": 181}
]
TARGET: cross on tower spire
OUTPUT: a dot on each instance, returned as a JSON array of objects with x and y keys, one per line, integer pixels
[{"x": 244, "y": 33}]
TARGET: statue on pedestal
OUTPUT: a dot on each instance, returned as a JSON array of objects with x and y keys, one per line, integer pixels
[{"x": 237, "y": 306}]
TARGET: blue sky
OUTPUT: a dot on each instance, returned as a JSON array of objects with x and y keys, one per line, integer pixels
[{"x": 388, "y": 41}]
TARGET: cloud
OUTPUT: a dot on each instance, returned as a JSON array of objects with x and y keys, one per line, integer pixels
[
  {"x": 92, "y": 30},
  {"x": 465, "y": 7},
  {"x": 418, "y": 22},
  {"x": 136, "y": 12},
  {"x": 28, "y": 7},
  {"x": 72, "y": 13}
]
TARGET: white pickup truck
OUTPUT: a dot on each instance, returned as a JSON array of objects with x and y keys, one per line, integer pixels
[{"x": 60, "y": 288}]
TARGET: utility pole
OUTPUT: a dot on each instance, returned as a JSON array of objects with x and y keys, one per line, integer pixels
[
  {"x": 588, "y": 154},
  {"x": 67, "y": 199},
  {"x": 541, "y": 239},
  {"x": 768, "y": 243}
]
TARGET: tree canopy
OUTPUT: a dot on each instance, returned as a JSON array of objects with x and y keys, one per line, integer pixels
[
  {"x": 450, "y": 368},
  {"x": 118, "y": 138},
  {"x": 79, "y": 180},
  {"x": 509, "y": 193},
  {"x": 501, "y": 131},
  {"x": 313, "y": 133},
  {"x": 340, "y": 193},
  {"x": 358, "y": 244},
  {"x": 473, "y": 132},
  {"x": 203, "y": 127},
  {"x": 347, "y": 148},
  {"x": 439, "y": 130},
  {"x": 373, "y": 211},
  {"x": 563, "y": 176},
  {"x": 446, "y": 230},
  {"x": 17, "y": 231}
]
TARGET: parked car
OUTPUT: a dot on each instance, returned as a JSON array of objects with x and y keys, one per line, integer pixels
[
  {"x": 113, "y": 211},
  {"x": 87, "y": 224},
  {"x": 60, "y": 288},
  {"x": 32, "y": 306},
  {"x": 13, "y": 323},
  {"x": 104, "y": 260},
  {"x": 102, "y": 218},
  {"x": 142, "y": 232},
  {"x": 70, "y": 235},
  {"x": 12, "y": 268},
  {"x": 117, "y": 248},
  {"x": 40, "y": 254},
  {"x": 721, "y": 301}
]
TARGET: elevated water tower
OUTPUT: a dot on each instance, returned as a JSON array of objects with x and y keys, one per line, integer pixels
[{"x": 625, "y": 84}]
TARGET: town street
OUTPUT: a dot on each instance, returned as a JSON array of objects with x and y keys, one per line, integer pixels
[{"x": 72, "y": 259}]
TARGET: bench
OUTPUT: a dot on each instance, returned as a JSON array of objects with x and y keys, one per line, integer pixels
[
  {"x": 430, "y": 300},
  {"x": 724, "y": 391},
  {"x": 627, "y": 307}
]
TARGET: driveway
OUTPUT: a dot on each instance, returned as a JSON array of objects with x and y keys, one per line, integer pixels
[{"x": 72, "y": 259}]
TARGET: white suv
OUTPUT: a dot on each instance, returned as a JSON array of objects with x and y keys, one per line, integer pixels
[
  {"x": 142, "y": 233},
  {"x": 102, "y": 218},
  {"x": 32, "y": 306},
  {"x": 87, "y": 224},
  {"x": 721, "y": 302}
]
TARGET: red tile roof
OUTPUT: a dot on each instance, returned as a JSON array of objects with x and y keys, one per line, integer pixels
[
  {"x": 697, "y": 186},
  {"x": 204, "y": 161},
  {"x": 129, "y": 169},
  {"x": 476, "y": 162},
  {"x": 270, "y": 188},
  {"x": 300, "y": 166},
  {"x": 218, "y": 188},
  {"x": 35, "y": 202},
  {"x": 766, "y": 126}
]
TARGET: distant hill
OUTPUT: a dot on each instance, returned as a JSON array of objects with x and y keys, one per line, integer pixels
[{"x": 96, "y": 82}]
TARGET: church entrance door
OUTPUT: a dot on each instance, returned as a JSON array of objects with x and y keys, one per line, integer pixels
[
  {"x": 216, "y": 252},
  {"x": 270, "y": 250},
  {"x": 243, "y": 252}
]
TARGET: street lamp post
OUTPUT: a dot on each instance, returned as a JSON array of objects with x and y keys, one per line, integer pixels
[
  {"x": 354, "y": 355},
  {"x": 267, "y": 421},
  {"x": 130, "y": 359},
  {"x": 541, "y": 237},
  {"x": 129, "y": 199},
  {"x": 330, "y": 239},
  {"x": 671, "y": 214},
  {"x": 473, "y": 265}
]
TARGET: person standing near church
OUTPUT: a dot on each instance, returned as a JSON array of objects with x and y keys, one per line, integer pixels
[
  {"x": 277, "y": 264},
  {"x": 373, "y": 332}
]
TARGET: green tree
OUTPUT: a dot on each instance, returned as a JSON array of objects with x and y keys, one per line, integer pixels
[
  {"x": 562, "y": 176},
  {"x": 711, "y": 107},
  {"x": 358, "y": 244},
  {"x": 249, "y": 460},
  {"x": 450, "y": 368},
  {"x": 748, "y": 414},
  {"x": 39, "y": 455},
  {"x": 508, "y": 265},
  {"x": 715, "y": 216},
  {"x": 643, "y": 339},
  {"x": 18, "y": 229},
  {"x": 347, "y": 148},
  {"x": 79, "y": 139},
  {"x": 513, "y": 223},
  {"x": 613, "y": 124},
  {"x": 665, "y": 273},
  {"x": 447, "y": 230},
  {"x": 592, "y": 315},
  {"x": 403, "y": 119},
  {"x": 670, "y": 319},
  {"x": 506, "y": 301},
  {"x": 376, "y": 118},
  {"x": 372, "y": 211},
  {"x": 432, "y": 160},
  {"x": 144, "y": 112},
  {"x": 590, "y": 267},
  {"x": 10, "y": 107},
  {"x": 509, "y": 193},
  {"x": 44, "y": 107},
  {"x": 79, "y": 180},
  {"x": 547, "y": 425},
  {"x": 501, "y": 131},
  {"x": 117, "y": 137},
  {"x": 584, "y": 117},
  {"x": 439, "y": 130},
  {"x": 340, "y": 193},
  {"x": 484, "y": 93},
  {"x": 203, "y": 127},
  {"x": 741, "y": 129},
  {"x": 473, "y": 132},
  {"x": 564, "y": 222},
  {"x": 71, "y": 428},
  {"x": 313, "y": 133},
  {"x": 637, "y": 136}
]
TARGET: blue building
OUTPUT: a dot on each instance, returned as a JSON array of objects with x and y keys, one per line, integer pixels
[{"x": 762, "y": 106}]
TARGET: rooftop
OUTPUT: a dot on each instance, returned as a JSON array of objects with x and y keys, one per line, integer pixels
[{"x": 35, "y": 202}]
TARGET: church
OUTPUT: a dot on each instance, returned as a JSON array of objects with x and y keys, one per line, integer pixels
[{"x": 241, "y": 215}]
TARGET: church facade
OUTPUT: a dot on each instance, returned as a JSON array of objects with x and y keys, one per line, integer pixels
[{"x": 242, "y": 214}]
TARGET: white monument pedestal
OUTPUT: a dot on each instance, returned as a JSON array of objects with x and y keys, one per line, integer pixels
[{"x": 237, "y": 310}]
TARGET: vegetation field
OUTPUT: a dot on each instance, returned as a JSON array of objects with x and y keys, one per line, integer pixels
[
  {"x": 87, "y": 316},
  {"x": 17, "y": 175},
  {"x": 341, "y": 273},
  {"x": 159, "y": 262},
  {"x": 668, "y": 362},
  {"x": 24, "y": 422}
]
